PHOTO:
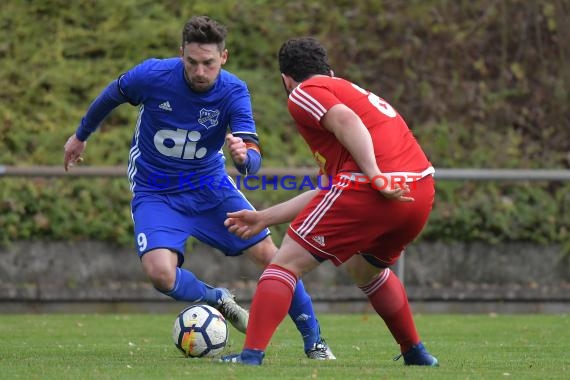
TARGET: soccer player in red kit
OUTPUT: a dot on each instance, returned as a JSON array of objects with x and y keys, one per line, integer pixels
[{"x": 381, "y": 195}]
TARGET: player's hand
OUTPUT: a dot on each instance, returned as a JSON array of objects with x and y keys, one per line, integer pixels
[
  {"x": 394, "y": 190},
  {"x": 237, "y": 148},
  {"x": 397, "y": 194},
  {"x": 244, "y": 223},
  {"x": 72, "y": 152}
]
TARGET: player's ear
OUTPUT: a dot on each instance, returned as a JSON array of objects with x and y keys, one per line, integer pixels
[
  {"x": 288, "y": 82},
  {"x": 224, "y": 56},
  {"x": 181, "y": 52}
]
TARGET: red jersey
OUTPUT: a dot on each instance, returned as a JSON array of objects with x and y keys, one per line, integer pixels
[{"x": 395, "y": 147}]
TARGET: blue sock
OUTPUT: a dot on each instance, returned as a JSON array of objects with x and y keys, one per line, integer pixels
[
  {"x": 302, "y": 313},
  {"x": 188, "y": 288}
]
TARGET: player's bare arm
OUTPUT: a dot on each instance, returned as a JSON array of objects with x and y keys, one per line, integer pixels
[
  {"x": 353, "y": 135},
  {"x": 247, "y": 223},
  {"x": 72, "y": 151}
]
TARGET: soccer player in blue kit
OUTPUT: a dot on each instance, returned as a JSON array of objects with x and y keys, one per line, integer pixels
[{"x": 177, "y": 170}]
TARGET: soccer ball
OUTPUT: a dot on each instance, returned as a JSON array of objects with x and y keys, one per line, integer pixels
[{"x": 200, "y": 331}]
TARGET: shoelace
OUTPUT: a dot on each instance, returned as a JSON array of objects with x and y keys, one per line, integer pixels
[{"x": 230, "y": 312}]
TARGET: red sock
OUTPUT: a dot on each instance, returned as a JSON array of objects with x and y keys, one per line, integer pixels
[
  {"x": 388, "y": 297},
  {"x": 270, "y": 305}
]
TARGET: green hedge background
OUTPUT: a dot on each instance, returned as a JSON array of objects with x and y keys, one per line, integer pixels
[{"x": 482, "y": 84}]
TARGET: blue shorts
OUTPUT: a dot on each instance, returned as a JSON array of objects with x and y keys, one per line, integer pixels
[{"x": 168, "y": 220}]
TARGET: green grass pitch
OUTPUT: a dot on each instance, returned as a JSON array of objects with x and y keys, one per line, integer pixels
[{"x": 139, "y": 346}]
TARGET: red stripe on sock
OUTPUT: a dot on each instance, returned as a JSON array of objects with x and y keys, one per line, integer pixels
[
  {"x": 375, "y": 284},
  {"x": 282, "y": 274}
]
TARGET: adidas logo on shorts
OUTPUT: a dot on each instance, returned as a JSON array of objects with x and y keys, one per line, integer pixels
[{"x": 320, "y": 240}]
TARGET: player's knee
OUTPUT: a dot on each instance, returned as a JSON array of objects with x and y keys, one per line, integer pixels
[
  {"x": 160, "y": 275},
  {"x": 263, "y": 252},
  {"x": 361, "y": 271},
  {"x": 162, "y": 278}
]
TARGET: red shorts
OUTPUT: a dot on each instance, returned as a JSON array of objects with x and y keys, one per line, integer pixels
[{"x": 350, "y": 219}]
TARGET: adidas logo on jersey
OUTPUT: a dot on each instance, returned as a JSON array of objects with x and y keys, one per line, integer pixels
[
  {"x": 165, "y": 106},
  {"x": 320, "y": 240}
]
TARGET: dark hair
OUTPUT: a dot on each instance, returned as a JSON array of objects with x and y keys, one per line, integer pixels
[
  {"x": 301, "y": 58},
  {"x": 204, "y": 30}
]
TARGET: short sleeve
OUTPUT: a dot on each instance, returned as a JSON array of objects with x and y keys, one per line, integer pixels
[{"x": 308, "y": 104}]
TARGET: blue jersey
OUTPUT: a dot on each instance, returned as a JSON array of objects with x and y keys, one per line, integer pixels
[{"x": 180, "y": 133}]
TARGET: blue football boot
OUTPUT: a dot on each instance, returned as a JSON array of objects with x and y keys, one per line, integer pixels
[
  {"x": 418, "y": 355},
  {"x": 248, "y": 357}
]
